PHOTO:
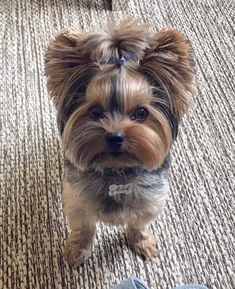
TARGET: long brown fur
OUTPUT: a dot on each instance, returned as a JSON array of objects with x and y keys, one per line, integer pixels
[{"x": 81, "y": 73}]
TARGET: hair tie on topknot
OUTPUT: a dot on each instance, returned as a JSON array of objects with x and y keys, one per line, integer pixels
[{"x": 121, "y": 61}]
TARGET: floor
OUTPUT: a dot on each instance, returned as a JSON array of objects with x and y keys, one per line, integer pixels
[{"x": 196, "y": 230}]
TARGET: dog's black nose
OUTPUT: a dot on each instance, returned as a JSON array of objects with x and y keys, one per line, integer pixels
[{"x": 115, "y": 139}]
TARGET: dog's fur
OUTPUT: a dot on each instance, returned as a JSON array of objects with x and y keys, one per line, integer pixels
[{"x": 83, "y": 72}]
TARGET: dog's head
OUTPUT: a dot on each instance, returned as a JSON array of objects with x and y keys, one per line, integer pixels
[{"x": 120, "y": 93}]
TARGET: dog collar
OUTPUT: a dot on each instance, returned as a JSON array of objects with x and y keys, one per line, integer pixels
[{"x": 130, "y": 172}]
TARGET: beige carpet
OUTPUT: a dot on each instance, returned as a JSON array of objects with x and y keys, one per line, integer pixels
[{"x": 195, "y": 232}]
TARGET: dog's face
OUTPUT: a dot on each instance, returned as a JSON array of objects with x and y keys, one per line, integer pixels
[
  {"x": 119, "y": 114},
  {"x": 117, "y": 125}
]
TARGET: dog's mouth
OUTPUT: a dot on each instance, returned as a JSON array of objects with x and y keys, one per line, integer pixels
[
  {"x": 115, "y": 153},
  {"x": 104, "y": 155},
  {"x": 112, "y": 156}
]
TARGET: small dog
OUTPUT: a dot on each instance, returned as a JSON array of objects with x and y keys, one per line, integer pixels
[{"x": 120, "y": 94}]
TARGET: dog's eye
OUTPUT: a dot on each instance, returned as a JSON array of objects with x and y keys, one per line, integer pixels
[
  {"x": 96, "y": 113},
  {"x": 140, "y": 114}
]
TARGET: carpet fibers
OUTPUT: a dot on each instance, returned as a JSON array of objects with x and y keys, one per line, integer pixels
[{"x": 196, "y": 230}]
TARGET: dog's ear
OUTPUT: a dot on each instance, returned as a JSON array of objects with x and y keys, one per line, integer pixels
[
  {"x": 63, "y": 58},
  {"x": 67, "y": 38},
  {"x": 60, "y": 58},
  {"x": 168, "y": 65}
]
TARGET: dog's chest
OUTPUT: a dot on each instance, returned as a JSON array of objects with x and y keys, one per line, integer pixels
[
  {"x": 129, "y": 191},
  {"x": 113, "y": 194}
]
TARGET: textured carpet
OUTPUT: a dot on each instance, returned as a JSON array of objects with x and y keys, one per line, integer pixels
[{"x": 196, "y": 230}]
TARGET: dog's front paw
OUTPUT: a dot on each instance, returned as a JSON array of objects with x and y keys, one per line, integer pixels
[
  {"x": 146, "y": 248},
  {"x": 75, "y": 254}
]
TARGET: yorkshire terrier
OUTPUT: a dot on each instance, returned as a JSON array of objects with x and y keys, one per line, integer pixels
[{"x": 120, "y": 94}]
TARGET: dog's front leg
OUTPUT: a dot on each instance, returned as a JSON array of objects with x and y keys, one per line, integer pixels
[
  {"x": 141, "y": 241},
  {"x": 82, "y": 225}
]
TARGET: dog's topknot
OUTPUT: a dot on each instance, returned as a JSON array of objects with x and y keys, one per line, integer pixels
[{"x": 130, "y": 38}]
